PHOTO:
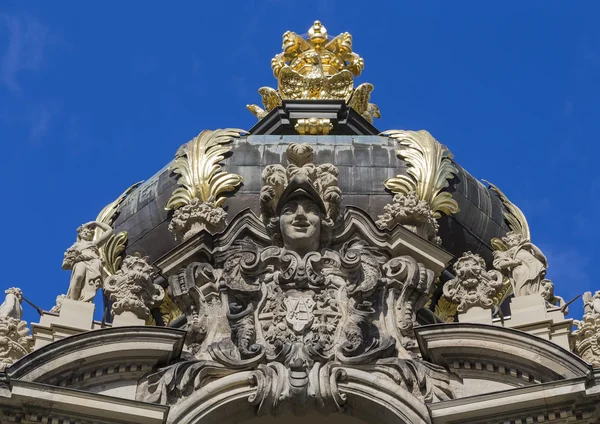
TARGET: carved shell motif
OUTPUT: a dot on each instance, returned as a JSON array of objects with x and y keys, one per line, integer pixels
[{"x": 430, "y": 168}]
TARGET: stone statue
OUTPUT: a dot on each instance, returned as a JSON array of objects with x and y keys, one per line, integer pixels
[
  {"x": 85, "y": 261},
  {"x": 11, "y": 307},
  {"x": 15, "y": 341},
  {"x": 524, "y": 263}
]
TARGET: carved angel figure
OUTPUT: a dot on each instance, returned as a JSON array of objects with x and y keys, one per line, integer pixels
[{"x": 83, "y": 258}]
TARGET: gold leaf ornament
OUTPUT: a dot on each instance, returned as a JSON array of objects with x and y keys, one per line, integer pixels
[
  {"x": 512, "y": 215},
  {"x": 110, "y": 252},
  {"x": 429, "y": 170},
  {"x": 201, "y": 176}
]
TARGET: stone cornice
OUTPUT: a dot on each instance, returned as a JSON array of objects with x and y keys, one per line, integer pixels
[
  {"x": 109, "y": 346},
  {"x": 34, "y": 402},
  {"x": 557, "y": 401},
  {"x": 502, "y": 347}
]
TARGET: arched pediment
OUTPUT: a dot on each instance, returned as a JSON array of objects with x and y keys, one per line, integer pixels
[
  {"x": 500, "y": 357},
  {"x": 98, "y": 360}
]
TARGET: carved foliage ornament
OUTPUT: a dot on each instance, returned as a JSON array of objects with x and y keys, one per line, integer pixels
[
  {"x": 587, "y": 334},
  {"x": 132, "y": 289},
  {"x": 429, "y": 170},
  {"x": 473, "y": 285},
  {"x": 318, "y": 67},
  {"x": 300, "y": 313},
  {"x": 203, "y": 182}
]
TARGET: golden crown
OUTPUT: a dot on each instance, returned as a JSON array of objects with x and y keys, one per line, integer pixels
[
  {"x": 336, "y": 54},
  {"x": 317, "y": 68}
]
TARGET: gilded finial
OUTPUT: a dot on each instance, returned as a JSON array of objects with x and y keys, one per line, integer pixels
[{"x": 317, "y": 68}]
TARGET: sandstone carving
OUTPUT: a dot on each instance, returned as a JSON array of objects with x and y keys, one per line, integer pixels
[
  {"x": 525, "y": 265},
  {"x": 132, "y": 289},
  {"x": 412, "y": 213},
  {"x": 300, "y": 313},
  {"x": 587, "y": 335},
  {"x": 473, "y": 285},
  {"x": 83, "y": 258},
  {"x": 14, "y": 334}
]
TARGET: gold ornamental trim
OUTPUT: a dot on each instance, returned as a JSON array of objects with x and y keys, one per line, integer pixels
[
  {"x": 111, "y": 251},
  {"x": 429, "y": 170},
  {"x": 514, "y": 217},
  {"x": 198, "y": 163}
]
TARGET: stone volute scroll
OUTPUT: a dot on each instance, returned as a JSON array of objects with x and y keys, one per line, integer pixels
[
  {"x": 473, "y": 289},
  {"x": 15, "y": 341},
  {"x": 302, "y": 313},
  {"x": 197, "y": 202}
]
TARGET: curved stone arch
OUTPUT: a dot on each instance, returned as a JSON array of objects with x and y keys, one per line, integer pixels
[
  {"x": 368, "y": 398},
  {"x": 497, "y": 354},
  {"x": 100, "y": 359}
]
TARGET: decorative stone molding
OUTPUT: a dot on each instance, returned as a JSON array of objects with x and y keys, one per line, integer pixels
[
  {"x": 587, "y": 335},
  {"x": 295, "y": 311},
  {"x": 473, "y": 285},
  {"x": 15, "y": 341},
  {"x": 524, "y": 264},
  {"x": 197, "y": 203},
  {"x": 412, "y": 213},
  {"x": 132, "y": 290}
]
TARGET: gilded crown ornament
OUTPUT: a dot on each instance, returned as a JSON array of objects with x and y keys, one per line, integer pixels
[{"x": 317, "y": 68}]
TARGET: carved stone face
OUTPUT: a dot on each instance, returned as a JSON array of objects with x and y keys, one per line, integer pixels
[
  {"x": 300, "y": 224},
  {"x": 468, "y": 269},
  {"x": 86, "y": 234},
  {"x": 512, "y": 239}
]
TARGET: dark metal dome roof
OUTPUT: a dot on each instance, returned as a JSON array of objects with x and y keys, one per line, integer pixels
[{"x": 364, "y": 163}]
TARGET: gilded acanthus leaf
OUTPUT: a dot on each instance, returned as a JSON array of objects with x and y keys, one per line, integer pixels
[
  {"x": 504, "y": 293},
  {"x": 512, "y": 214},
  {"x": 430, "y": 168},
  {"x": 445, "y": 309},
  {"x": 198, "y": 164},
  {"x": 110, "y": 252}
]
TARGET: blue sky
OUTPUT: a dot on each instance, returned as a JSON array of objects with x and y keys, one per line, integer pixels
[{"x": 97, "y": 96}]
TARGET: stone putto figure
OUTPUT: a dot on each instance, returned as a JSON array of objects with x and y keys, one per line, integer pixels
[
  {"x": 15, "y": 341},
  {"x": 525, "y": 265},
  {"x": 83, "y": 258}
]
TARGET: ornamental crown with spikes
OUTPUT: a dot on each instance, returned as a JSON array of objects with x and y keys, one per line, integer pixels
[{"x": 317, "y": 68}]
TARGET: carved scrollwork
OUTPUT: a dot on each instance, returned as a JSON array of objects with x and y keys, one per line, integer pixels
[{"x": 300, "y": 314}]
